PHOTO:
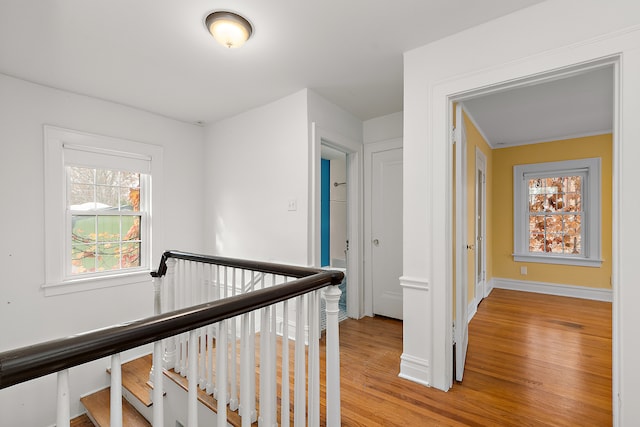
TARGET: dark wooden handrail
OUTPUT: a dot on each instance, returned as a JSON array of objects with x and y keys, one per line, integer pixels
[
  {"x": 263, "y": 267},
  {"x": 26, "y": 363}
]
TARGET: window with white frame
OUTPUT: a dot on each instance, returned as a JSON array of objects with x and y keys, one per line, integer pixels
[
  {"x": 557, "y": 212},
  {"x": 98, "y": 193}
]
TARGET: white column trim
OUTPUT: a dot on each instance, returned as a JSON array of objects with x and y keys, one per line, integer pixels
[
  {"x": 414, "y": 283},
  {"x": 414, "y": 369}
]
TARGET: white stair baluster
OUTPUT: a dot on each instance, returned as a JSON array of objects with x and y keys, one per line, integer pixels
[
  {"x": 182, "y": 302},
  {"x": 263, "y": 417},
  {"x": 158, "y": 389},
  {"x": 192, "y": 378},
  {"x": 221, "y": 367},
  {"x": 202, "y": 332},
  {"x": 233, "y": 375},
  {"x": 285, "y": 405},
  {"x": 116, "y": 391},
  {"x": 216, "y": 360},
  {"x": 332, "y": 297},
  {"x": 314, "y": 360},
  {"x": 207, "y": 353},
  {"x": 246, "y": 371},
  {"x": 62, "y": 416},
  {"x": 299, "y": 379},
  {"x": 252, "y": 353},
  {"x": 273, "y": 362}
]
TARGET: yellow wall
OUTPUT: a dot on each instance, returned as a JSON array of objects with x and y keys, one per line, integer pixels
[
  {"x": 475, "y": 140},
  {"x": 502, "y": 213}
]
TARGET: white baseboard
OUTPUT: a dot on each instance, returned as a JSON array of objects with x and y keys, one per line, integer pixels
[
  {"x": 488, "y": 287},
  {"x": 573, "y": 291},
  {"x": 472, "y": 309},
  {"x": 414, "y": 369}
]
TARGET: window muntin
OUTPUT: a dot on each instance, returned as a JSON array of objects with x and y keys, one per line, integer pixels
[
  {"x": 105, "y": 220},
  {"x": 557, "y": 212}
]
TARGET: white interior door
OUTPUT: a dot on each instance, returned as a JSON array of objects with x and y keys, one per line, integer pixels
[
  {"x": 461, "y": 323},
  {"x": 480, "y": 225},
  {"x": 386, "y": 232}
]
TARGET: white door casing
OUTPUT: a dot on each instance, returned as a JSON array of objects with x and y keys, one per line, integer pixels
[
  {"x": 383, "y": 228},
  {"x": 353, "y": 150},
  {"x": 459, "y": 89},
  {"x": 480, "y": 226},
  {"x": 461, "y": 323}
]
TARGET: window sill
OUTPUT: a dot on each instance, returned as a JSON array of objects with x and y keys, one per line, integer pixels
[
  {"x": 564, "y": 260},
  {"x": 92, "y": 283}
]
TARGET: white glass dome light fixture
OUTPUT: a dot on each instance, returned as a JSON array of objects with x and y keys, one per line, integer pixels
[{"x": 229, "y": 29}]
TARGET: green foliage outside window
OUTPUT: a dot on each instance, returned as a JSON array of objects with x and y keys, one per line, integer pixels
[{"x": 105, "y": 219}]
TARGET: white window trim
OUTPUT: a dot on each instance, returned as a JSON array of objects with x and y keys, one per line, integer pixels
[
  {"x": 56, "y": 230},
  {"x": 591, "y": 199}
]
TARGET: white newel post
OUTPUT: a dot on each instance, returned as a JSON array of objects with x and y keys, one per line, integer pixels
[
  {"x": 332, "y": 296},
  {"x": 157, "y": 309},
  {"x": 167, "y": 296},
  {"x": 155, "y": 376}
]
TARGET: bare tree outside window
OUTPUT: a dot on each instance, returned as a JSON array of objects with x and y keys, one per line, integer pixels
[
  {"x": 105, "y": 219},
  {"x": 555, "y": 215}
]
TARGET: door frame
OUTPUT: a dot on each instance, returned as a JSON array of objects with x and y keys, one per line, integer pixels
[
  {"x": 369, "y": 150},
  {"x": 321, "y": 136},
  {"x": 461, "y": 335},
  {"x": 548, "y": 74}
]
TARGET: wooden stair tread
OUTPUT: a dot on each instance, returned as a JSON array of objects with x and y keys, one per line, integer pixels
[
  {"x": 207, "y": 400},
  {"x": 81, "y": 421},
  {"x": 135, "y": 378},
  {"x": 98, "y": 404}
]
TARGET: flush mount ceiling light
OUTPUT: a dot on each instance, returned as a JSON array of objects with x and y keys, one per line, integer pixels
[{"x": 228, "y": 28}]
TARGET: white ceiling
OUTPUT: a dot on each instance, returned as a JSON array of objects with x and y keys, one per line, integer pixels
[
  {"x": 574, "y": 106},
  {"x": 157, "y": 55}
]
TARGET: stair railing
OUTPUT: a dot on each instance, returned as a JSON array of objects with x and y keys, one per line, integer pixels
[
  {"x": 185, "y": 279},
  {"x": 58, "y": 356}
]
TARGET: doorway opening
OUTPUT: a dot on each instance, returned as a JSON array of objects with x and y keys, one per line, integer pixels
[
  {"x": 477, "y": 284},
  {"x": 334, "y": 243},
  {"x": 345, "y": 243}
]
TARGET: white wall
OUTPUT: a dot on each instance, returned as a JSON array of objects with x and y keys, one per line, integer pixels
[
  {"x": 551, "y": 35},
  {"x": 382, "y": 128},
  {"x": 333, "y": 118},
  {"x": 26, "y": 315},
  {"x": 256, "y": 162}
]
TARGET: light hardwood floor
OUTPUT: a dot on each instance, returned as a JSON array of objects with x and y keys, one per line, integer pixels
[{"x": 533, "y": 360}]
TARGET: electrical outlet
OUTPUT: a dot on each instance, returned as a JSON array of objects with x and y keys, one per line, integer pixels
[
  {"x": 292, "y": 205},
  {"x": 523, "y": 270}
]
